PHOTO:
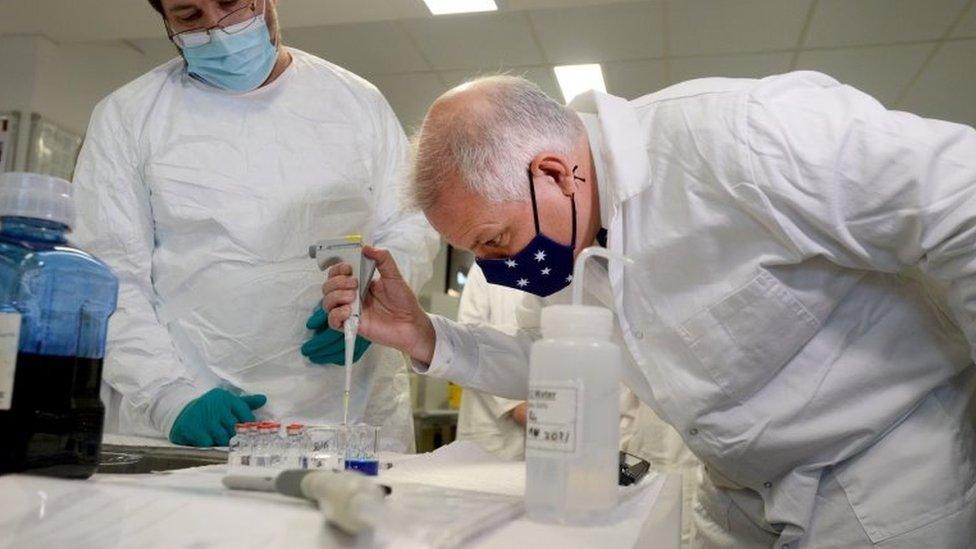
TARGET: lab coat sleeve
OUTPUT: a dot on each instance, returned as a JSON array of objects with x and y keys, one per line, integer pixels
[
  {"x": 868, "y": 188},
  {"x": 115, "y": 224},
  {"x": 480, "y": 358},
  {"x": 489, "y": 359},
  {"x": 408, "y": 236}
]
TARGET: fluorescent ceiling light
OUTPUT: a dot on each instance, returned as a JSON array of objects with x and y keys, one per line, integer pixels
[
  {"x": 576, "y": 79},
  {"x": 442, "y": 7}
]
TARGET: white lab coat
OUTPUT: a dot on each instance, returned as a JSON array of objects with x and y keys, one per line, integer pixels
[
  {"x": 484, "y": 418},
  {"x": 801, "y": 307},
  {"x": 204, "y": 203}
]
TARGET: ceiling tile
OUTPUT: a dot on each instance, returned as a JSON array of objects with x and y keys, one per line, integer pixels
[
  {"x": 968, "y": 26},
  {"x": 370, "y": 48},
  {"x": 601, "y": 33},
  {"x": 881, "y": 71},
  {"x": 538, "y": 4},
  {"x": 91, "y": 20},
  {"x": 846, "y": 22},
  {"x": 632, "y": 79},
  {"x": 476, "y": 41},
  {"x": 316, "y": 12},
  {"x": 947, "y": 87},
  {"x": 409, "y": 94},
  {"x": 407, "y": 9},
  {"x": 66, "y": 21},
  {"x": 731, "y": 66},
  {"x": 710, "y": 27},
  {"x": 542, "y": 76}
]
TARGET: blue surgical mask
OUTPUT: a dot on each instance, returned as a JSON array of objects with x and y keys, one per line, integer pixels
[
  {"x": 238, "y": 62},
  {"x": 543, "y": 267}
]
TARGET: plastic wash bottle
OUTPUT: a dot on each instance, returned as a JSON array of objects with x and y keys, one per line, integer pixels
[{"x": 573, "y": 427}]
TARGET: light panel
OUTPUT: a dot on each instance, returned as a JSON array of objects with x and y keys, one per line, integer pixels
[
  {"x": 576, "y": 79},
  {"x": 443, "y": 7}
]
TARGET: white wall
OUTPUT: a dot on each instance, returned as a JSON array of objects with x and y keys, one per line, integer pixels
[
  {"x": 72, "y": 80},
  {"x": 63, "y": 83},
  {"x": 18, "y": 56}
]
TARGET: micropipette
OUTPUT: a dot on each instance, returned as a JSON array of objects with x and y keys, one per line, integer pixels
[
  {"x": 347, "y": 249},
  {"x": 349, "y": 329}
]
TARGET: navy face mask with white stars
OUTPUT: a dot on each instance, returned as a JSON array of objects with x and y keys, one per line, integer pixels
[{"x": 543, "y": 267}]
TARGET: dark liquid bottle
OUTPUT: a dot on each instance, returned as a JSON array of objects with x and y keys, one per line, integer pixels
[
  {"x": 55, "y": 302},
  {"x": 54, "y": 426}
]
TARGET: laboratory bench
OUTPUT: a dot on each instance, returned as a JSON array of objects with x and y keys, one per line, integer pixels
[
  {"x": 183, "y": 503},
  {"x": 138, "y": 455}
]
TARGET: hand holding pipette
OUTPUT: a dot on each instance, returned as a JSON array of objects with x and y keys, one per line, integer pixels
[
  {"x": 344, "y": 255},
  {"x": 390, "y": 314}
]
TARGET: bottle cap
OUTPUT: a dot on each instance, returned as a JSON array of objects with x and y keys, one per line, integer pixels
[{"x": 36, "y": 196}]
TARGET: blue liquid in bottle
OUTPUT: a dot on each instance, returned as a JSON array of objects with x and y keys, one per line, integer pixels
[{"x": 63, "y": 297}]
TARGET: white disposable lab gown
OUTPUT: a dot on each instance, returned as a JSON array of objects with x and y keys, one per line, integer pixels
[
  {"x": 801, "y": 307},
  {"x": 205, "y": 202}
]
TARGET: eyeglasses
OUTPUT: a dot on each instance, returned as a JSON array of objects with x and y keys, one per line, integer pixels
[{"x": 241, "y": 15}]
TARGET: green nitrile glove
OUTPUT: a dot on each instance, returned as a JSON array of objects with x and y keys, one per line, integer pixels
[
  {"x": 328, "y": 346},
  {"x": 209, "y": 420}
]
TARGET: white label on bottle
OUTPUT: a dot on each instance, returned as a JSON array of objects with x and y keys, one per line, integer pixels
[
  {"x": 9, "y": 340},
  {"x": 554, "y": 409}
]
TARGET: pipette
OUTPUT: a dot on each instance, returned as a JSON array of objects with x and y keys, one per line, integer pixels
[
  {"x": 347, "y": 249},
  {"x": 349, "y": 329}
]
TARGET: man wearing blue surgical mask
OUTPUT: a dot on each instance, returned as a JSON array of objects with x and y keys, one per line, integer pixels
[
  {"x": 202, "y": 184},
  {"x": 238, "y": 53}
]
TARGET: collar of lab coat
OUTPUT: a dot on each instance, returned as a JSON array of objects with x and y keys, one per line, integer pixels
[
  {"x": 625, "y": 174},
  {"x": 592, "y": 125},
  {"x": 621, "y": 148}
]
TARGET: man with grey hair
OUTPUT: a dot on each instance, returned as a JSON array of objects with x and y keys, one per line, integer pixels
[{"x": 801, "y": 305}]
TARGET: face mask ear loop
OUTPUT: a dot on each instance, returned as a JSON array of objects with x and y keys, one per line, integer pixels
[
  {"x": 535, "y": 210},
  {"x": 572, "y": 198}
]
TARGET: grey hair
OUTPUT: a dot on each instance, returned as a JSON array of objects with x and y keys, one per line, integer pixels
[{"x": 491, "y": 145}]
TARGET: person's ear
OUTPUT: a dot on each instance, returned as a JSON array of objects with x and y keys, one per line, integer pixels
[{"x": 557, "y": 168}]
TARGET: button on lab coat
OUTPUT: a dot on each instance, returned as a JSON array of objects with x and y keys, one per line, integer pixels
[{"x": 802, "y": 300}]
